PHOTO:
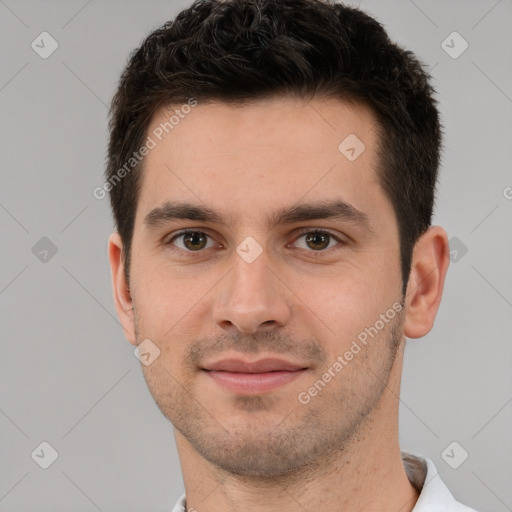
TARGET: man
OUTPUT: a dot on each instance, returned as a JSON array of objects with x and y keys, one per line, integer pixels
[{"x": 272, "y": 169}]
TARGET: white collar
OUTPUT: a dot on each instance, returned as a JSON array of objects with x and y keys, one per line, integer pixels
[{"x": 434, "y": 495}]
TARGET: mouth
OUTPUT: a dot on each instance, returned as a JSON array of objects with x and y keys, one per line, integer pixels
[{"x": 243, "y": 377}]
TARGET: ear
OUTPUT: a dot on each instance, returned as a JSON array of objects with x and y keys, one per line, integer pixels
[
  {"x": 430, "y": 260},
  {"x": 120, "y": 287}
]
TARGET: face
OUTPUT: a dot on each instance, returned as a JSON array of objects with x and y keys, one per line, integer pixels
[{"x": 267, "y": 274}]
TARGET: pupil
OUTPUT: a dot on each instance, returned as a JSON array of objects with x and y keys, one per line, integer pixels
[
  {"x": 314, "y": 237},
  {"x": 193, "y": 239}
]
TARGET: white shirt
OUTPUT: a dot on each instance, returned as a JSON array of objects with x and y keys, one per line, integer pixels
[{"x": 423, "y": 475}]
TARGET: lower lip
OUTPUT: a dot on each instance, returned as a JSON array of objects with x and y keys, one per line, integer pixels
[{"x": 251, "y": 383}]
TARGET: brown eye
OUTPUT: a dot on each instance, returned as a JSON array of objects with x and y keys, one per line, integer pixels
[
  {"x": 194, "y": 240},
  {"x": 191, "y": 241},
  {"x": 318, "y": 240}
]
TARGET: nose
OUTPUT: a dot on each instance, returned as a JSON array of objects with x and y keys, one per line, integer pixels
[{"x": 251, "y": 297}]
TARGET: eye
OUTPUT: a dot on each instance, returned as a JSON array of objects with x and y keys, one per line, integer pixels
[
  {"x": 193, "y": 241},
  {"x": 318, "y": 240}
]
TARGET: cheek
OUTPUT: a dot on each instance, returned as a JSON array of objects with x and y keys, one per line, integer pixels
[
  {"x": 168, "y": 301},
  {"x": 342, "y": 306}
]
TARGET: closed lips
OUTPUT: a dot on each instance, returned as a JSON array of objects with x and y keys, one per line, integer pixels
[{"x": 261, "y": 366}]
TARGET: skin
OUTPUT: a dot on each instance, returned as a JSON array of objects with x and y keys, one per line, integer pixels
[{"x": 298, "y": 300}]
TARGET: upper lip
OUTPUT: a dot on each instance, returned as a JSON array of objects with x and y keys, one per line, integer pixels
[{"x": 260, "y": 366}]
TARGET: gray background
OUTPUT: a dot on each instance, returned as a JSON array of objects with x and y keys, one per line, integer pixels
[{"x": 68, "y": 376}]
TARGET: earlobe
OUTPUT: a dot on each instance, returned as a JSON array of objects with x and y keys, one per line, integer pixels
[
  {"x": 121, "y": 291},
  {"x": 430, "y": 262}
]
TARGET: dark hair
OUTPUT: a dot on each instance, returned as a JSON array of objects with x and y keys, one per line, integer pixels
[{"x": 237, "y": 51}]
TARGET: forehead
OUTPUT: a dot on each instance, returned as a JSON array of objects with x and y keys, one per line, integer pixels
[{"x": 246, "y": 159}]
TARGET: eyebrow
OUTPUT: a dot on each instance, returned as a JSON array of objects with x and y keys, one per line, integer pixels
[{"x": 334, "y": 209}]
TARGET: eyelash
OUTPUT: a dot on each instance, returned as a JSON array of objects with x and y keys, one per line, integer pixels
[{"x": 301, "y": 232}]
